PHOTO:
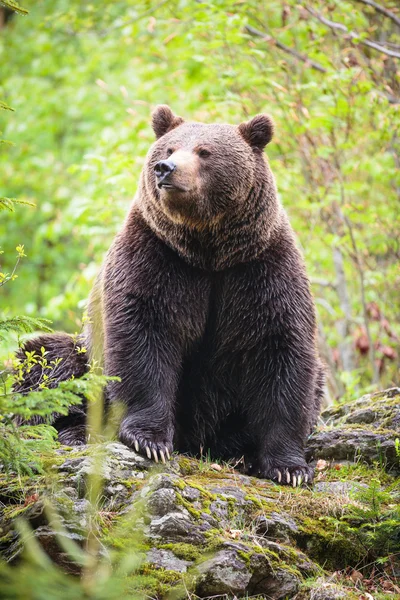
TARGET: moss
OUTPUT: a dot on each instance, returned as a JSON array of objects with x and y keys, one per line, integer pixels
[
  {"x": 128, "y": 483},
  {"x": 331, "y": 542},
  {"x": 187, "y": 466},
  {"x": 157, "y": 583},
  {"x": 232, "y": 508},
  {"x": 12, "y": 512},
  {"x": 206, "y": 506},
  {"x": 364, "y": 427},
  {"x": 182, "y": 550},
  {"x": 283, "y": 557},
  {"x": 359, "y": 472},
  {"x": 245, "y": 556},
  {"x": 180, "y": 484},
  {"x": 204, "y": 492},
  {"x": 210, "y": 476},
  {"x": 256, "y": 501},
  {"x": 311, "y": 585},
  {"x": 188, "y": 505}
]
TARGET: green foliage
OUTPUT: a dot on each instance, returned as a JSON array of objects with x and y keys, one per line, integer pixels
[
  {"x": 13, "y": 5},
  {"x": 81, "y": 130},
  {"x": 8, "y": 203},
  {"x": 81, "y": 79},
  {"x": 23, "y": 449},
  {"x": 377, "y": 518},
  {"x": 22, "y": 324},
  {"x": 103, "y": 576}
]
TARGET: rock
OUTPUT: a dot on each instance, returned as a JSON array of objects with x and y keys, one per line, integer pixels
[
  {"x": 163, "y": 501},
  {"x": 221, "y": 532},
  {"x": 276, "y": 526},
  {"x": 323, "y": 590},
  {"x": 353, "y": 444},
  {"x": 224, "y": 573},
  {"x": 165, "y": 559},
  {"x": 367, "y": 428},
  {"x": 190, "y": 493},
  {"x": 339, "y": 488},
  {"x": 176, "y": 527},
  {"x": 380, "y": 410},
  {"x": 273, "y": 582}
]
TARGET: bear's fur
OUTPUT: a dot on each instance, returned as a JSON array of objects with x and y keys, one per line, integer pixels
[{"x": 203, "y": 307}]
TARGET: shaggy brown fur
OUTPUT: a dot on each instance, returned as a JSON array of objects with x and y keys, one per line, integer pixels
[{"x": 203, "y": 307}]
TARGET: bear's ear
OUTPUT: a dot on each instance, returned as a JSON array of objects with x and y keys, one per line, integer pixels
[
  {"x": 163, "y": 120},
  {"x": 258, "y": 132}
]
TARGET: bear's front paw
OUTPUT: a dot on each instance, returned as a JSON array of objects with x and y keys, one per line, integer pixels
[
  {"x": 156, "y": 446},
  {"x": 294, "y": 475}
]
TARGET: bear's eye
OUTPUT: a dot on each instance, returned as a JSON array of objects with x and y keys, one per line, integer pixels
[
  {"x": 203, "y": 153},
  {"x": 169, "y": 151}
]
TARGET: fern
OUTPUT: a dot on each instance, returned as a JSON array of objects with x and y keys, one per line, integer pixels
[
  {"x": 22, "y": 448},
  {"x": 8, "y": 203},
  {"x": 22, "y": 324},
  {"x": 13, "y": 5},
  {"x": 3, "y": 105}
]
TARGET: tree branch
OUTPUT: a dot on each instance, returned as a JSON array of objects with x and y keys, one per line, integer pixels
[
  {"x": 351, "y": 34},
  {"x": 382, "y": 10},
  {"x": 302, "y": 57}
]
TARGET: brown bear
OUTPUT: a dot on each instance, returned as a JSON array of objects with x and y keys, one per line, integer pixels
[{"x": 203, "y": 308}]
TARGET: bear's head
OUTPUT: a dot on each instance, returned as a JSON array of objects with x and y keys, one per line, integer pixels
[
  {"x": 207, "y": 190},
  {"x": 200, "y": 174}
]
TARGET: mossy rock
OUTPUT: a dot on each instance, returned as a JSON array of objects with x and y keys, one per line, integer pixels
[{"x": 198, "y": 529}]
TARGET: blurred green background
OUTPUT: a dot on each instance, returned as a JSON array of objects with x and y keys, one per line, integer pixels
[{"x": 82, "y": 79}]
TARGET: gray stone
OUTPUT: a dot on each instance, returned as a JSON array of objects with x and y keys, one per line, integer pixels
[
  {"x": 190, "y": 493},
  {"x": 326, "y": 591},
  {"x": 230, "y": 492},
  {"x": 224, "y": 573},
  {"x": 274, "y": 582},
  {"x": 219, "y": 510},
  {"x": 364, "y": 415},
  {"x": 165, "y": 559},
  {"x": 339, "y": 488},
  {"x": 163, "y": 501},
  {"x": 176, "y": 527},
  {"x": 278, "y": 526},
  {"x": 162, "y": 480},
  {"x": 353, "y": 443}
]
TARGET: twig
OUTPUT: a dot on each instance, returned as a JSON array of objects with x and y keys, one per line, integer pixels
[
  {"x": 302, "y": 57},
  {"x": 351, "y": 34},
  {"x": 382, "y": 10},
  {"x": 9, "y": 277},
  {"x": 371, "y": 352}
]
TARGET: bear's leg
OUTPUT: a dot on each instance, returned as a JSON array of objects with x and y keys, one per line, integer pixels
[
  {"x": 281, "y": 415},
  {"x": 145, "y": 340},
  {"x": 147, "y": 362}
]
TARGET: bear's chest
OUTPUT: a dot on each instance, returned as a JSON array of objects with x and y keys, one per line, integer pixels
[{"x": 240, "y": 309}]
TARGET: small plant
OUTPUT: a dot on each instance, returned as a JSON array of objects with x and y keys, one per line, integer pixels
[{"x": 377, "y": 516}]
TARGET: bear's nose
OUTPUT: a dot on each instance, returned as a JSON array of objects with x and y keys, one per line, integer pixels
[{"x": 164, "y": 168}]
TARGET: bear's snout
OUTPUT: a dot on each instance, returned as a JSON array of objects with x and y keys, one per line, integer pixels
[{"x": 163, "y": 169}]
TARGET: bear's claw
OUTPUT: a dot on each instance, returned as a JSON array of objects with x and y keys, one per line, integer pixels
[
  {"x": 295, "y": 475},
  {"x": 143, "y": 444}
]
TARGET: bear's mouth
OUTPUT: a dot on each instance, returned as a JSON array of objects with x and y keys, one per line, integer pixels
[{"x": 166, "y": 185}]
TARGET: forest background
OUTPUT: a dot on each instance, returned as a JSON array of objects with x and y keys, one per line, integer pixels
[{"x": 81, "y": 80}]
